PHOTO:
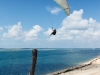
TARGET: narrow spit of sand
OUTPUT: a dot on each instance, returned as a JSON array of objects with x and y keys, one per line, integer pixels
[{"x": 91, "y": 67}]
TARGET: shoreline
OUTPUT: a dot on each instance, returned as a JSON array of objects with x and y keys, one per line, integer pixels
[{"x": 79, "y": 68}]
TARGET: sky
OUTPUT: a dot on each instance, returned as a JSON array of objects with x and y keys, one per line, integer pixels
[{"x": 28, "y": 23}]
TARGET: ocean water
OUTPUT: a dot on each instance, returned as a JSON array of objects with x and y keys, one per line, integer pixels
[{"x": 18, "y": 61}]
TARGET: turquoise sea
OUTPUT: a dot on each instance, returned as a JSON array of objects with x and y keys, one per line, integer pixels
[{"x": 18, "y": 61}]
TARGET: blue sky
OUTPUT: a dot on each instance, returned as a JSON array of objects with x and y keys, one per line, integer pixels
[{"x": 28, "y": 23}]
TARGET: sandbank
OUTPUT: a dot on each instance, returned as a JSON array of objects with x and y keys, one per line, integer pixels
[{"x": 91, "y": 67}]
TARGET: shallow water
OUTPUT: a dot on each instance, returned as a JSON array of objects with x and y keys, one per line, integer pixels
[{"x": 18, "y": 61}]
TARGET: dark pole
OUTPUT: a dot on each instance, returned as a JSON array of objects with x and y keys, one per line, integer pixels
[{"x": 34, "y": 58}]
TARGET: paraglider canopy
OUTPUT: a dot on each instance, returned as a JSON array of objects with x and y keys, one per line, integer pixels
[{"x": 64, "y": 5}]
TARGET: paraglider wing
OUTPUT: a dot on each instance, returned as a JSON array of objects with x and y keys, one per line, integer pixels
[{"x": 64, "y": 5}]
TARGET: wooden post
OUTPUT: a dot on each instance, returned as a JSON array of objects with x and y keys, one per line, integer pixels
[{"x": 34, "y": 58}]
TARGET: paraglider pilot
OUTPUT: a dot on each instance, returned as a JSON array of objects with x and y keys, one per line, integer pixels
[{"x": 53, "y": 32}]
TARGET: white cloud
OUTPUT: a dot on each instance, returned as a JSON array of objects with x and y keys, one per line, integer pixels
[
  {"x": 48, "y": 32},
  {"x": 33, "y": 33},
  {"x": 77, "y": 29},
  {"x": 54, "y": 10},
  {"x": 1, "y": 28},
  {"x": 16, "y": 32},
  {"x": 75, "y": 21}
]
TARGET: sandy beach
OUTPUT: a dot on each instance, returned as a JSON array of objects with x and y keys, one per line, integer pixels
[{"x": 91, "y": 67}]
